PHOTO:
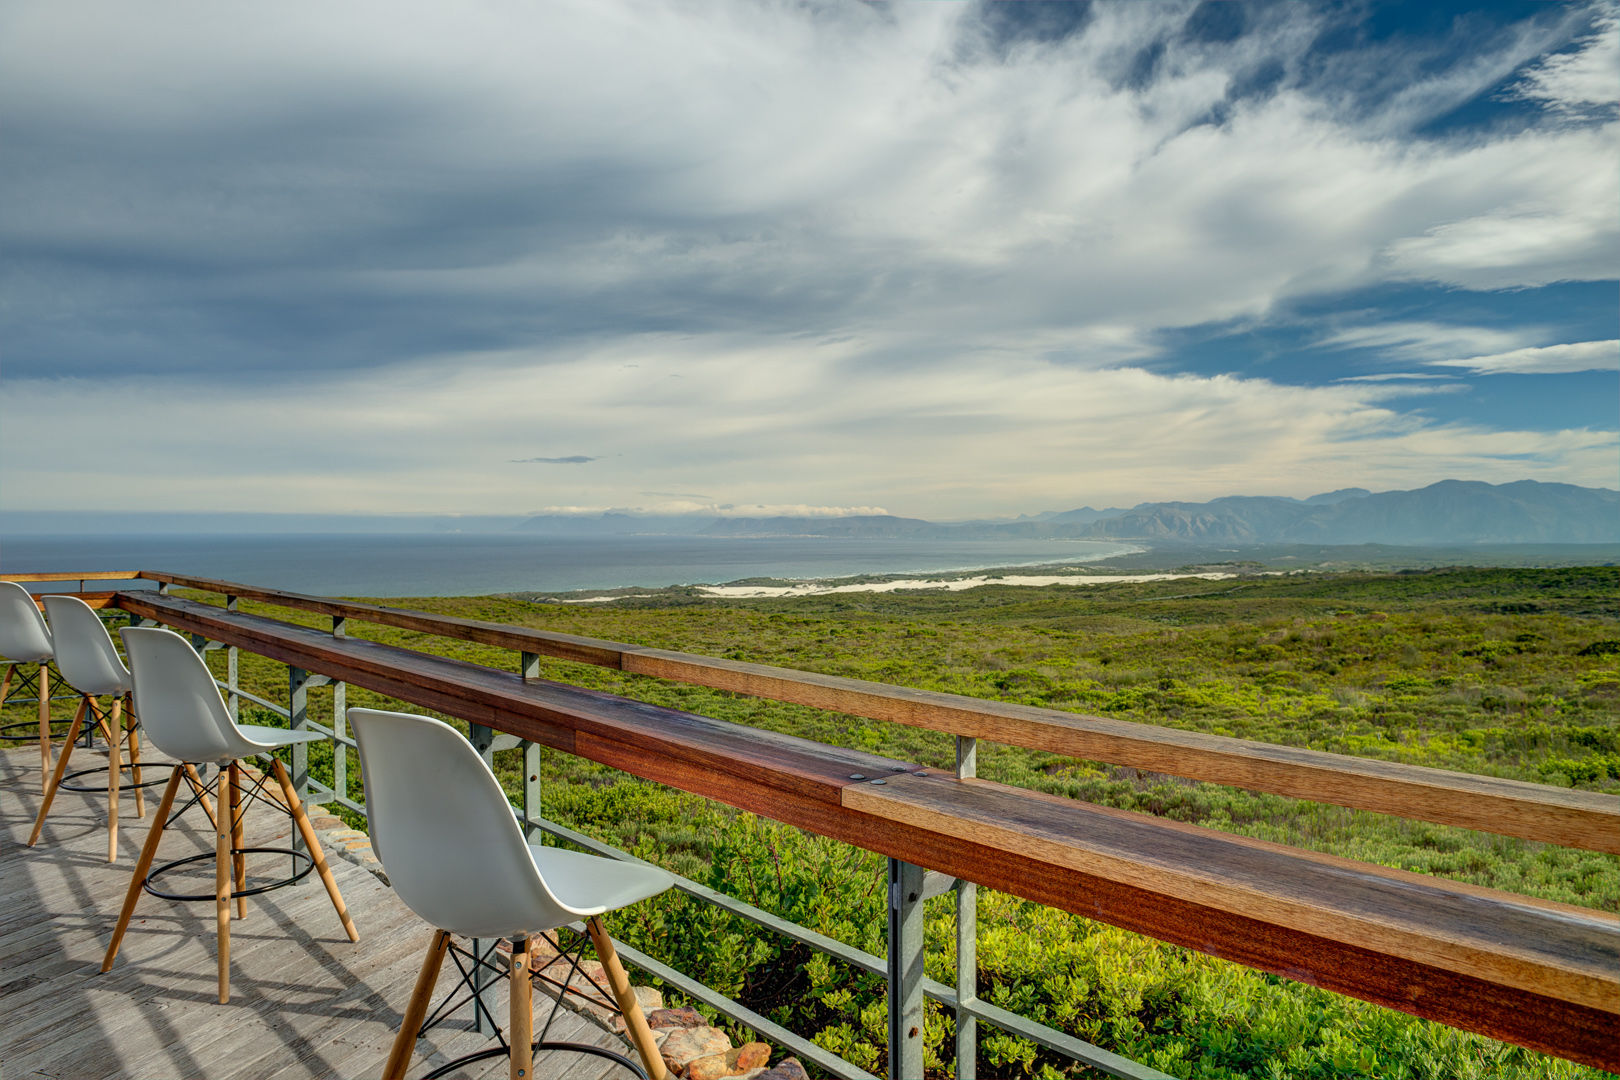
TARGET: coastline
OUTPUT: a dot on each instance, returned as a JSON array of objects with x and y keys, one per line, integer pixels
[{"x": 967, "y": 580}]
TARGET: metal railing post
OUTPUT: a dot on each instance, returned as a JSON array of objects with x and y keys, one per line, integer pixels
[
  {"x": 905, "y": 971},
  {"x": 531, "y": 766},
  {"x": 234, "y": 701},
  {"x": 340, "y": 722},
  {"x": 967, "y": 939},
  {"x": 483, "y": 740}
]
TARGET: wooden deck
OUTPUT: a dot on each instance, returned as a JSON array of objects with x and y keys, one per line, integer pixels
[{"x": 305, "y": 1002}]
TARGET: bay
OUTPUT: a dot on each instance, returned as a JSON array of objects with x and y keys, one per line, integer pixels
[{"x": 468, "y": 564}]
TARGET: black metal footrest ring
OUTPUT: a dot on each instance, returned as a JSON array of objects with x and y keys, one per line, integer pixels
[
  {"x": 65, "y": 786},
  {"x": 501, "y": 1051},
  {"x": 308, "y": 867},
  {"x": 59, "y": 728}
]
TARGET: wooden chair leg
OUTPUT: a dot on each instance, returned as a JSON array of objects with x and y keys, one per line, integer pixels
[
  {"x": 520, "y": 1003},
  {"x": 115, "y": 777},
  {"x": 98, "y": 720},
  {"x": 311, "y": 841},
  {"x": 416, "y": 1010},
  {"x": 56, "y": 777},
  {"x": 239, "y": 860},
  {"x": 222, "y": 882},
  {"x": 201, "y": 790},
  {"x": 635, "y": 1021},
  {"x": 44, "y": 725},
  {"x": 134, "y": 729},
  {"x": 143, "y": 866},
  {"x": 5, "y": 683}
]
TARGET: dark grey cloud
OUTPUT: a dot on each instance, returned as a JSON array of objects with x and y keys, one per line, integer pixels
[
  {"x": 572, "y": 459},
  {"x": 300, "y": 197}
]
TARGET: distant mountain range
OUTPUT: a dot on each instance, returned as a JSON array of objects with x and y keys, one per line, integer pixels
[{"x": 1449, "y": 512}]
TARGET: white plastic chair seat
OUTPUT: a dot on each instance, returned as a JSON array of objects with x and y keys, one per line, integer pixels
[
  {"x": 271, "y": 738},
  {"x": 455, "y": 854},
  {"x": 24, "y": 636},
  {"x": 84, "y": 650},
  {"x": 446, "y": 835},
  {"x": 591, "y": 885},
  {"x": 181, "y": 707}
]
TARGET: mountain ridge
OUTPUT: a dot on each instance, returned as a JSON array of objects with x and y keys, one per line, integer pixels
[{"x": 1446, "y": 512}]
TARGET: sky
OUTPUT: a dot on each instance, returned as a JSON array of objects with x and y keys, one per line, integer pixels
[{"x": 944, "y": 260}]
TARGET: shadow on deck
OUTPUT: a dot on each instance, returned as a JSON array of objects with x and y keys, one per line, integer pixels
[{"x": 305, "y": 1002}]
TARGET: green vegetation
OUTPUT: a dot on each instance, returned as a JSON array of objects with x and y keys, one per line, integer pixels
[{"x": 1512, "y": 673}]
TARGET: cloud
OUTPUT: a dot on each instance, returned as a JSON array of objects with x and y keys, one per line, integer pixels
[
  {"x": 1396, "y": 376},
  {"x": 1584, "y": 82},
  {"x": 573, "y": 459},
  {"x": 685, "y": 507},
  {"x": 914, "y": 256},
  {"x": 1545, "y": 360},
  {"x": 296, "y": 191},
  {"x": 770, "y": 426},
  {"x": 1425, "y": 341},
  {"x": 755, "y": 510}
]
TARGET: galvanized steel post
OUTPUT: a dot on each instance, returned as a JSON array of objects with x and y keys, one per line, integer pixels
[
  {"x": 340, "y": 723},
  {"x": 232, "y": 683},
  {"x": 531, "y": 765},
  {"x": 967, "y": 939},
  {"x": 905, "y": 971}
]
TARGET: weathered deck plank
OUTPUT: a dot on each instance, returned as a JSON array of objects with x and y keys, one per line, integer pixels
[{"x": 305, "y": 1002}]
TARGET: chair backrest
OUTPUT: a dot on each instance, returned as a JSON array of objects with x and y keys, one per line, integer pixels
[
  {"x": 445, "y": 832},
  {"x": 84, "y": 650},
  {"x": 23, "y": 633},
  {"x": 175, "y": 697}
]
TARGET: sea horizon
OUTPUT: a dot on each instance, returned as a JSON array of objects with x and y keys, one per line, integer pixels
[{"x": 476, "y": 564}]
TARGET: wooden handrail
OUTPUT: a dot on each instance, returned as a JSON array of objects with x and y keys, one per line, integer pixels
[
  {"x": 1541, "y": 974},
  {"x": 83, "y": 575},
  {"x": 1580, "y": 819}
]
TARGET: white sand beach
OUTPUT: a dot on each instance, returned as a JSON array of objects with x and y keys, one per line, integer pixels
[{"x": 817, "y": 588}]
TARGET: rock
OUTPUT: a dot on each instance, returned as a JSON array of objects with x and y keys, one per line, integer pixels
[
  {"x": 745, "y": 1058},
  {"x": 651, "y": 1001},
  {"x": 713, "y": 1067},
  {"x": 676, "y": 1018},
  {"x": 786, "y": 1069},
  {"x": 752, "y": 1074},
  {"x": 750, "y": 1056},
  {"x": 689, "y": 1044}
]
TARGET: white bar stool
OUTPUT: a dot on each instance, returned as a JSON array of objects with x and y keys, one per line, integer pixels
[
  {"x": 446, "y": 835},
  {"x": 89, "y": 663},
  {"x": 25, "y": 639},
  {"x": 185, "y": 718}
]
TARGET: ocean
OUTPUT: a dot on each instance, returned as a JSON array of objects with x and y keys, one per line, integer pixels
[{"x": 466, "y": 564}]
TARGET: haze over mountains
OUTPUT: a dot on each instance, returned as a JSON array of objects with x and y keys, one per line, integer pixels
[{"x": 1449, "y": 512}]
